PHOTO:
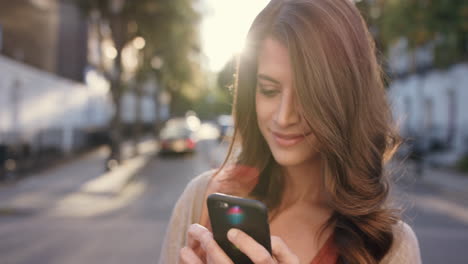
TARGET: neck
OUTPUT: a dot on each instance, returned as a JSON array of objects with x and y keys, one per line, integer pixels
[{"x": 303, "y": 183}]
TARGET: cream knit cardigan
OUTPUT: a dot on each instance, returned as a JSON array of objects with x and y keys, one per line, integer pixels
[{"x": 405, "y": 249}]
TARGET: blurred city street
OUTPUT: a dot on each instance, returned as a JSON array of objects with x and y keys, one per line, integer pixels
[
  {"x": 68, "y": 223},
  {"x": 99, "y": 99}
]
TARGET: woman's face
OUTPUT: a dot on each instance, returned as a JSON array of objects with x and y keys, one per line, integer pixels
[{"x": 278, "y": 117}]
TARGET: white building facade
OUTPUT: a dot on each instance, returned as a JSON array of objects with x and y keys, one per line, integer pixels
[
  {"x": 433, "y": 107},
  {"x": 42, "y": 110}
]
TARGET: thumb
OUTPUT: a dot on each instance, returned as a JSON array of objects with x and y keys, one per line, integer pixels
[{"x": 281, "y": 252}]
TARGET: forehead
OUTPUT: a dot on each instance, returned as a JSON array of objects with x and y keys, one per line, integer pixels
[{"x": 274, "y": 61}]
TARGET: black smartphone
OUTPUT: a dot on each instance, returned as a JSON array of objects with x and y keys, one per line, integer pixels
[{"x": 250, "y": 216}]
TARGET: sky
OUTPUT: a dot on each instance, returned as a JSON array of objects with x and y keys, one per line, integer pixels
[{"x": 224, "y": 28}]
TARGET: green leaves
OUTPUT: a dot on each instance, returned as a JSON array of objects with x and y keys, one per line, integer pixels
[
  {"x": 444, "y": 23},
  {"x": 170, "y": 31}
]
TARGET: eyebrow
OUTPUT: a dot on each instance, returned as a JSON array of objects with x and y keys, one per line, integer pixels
[{"x": 267, "y": 78}]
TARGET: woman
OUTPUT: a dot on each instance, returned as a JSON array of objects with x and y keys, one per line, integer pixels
[{"x": 313, "y": 131}]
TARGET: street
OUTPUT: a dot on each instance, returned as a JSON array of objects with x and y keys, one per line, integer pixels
[{"x": 79, "y": 227}]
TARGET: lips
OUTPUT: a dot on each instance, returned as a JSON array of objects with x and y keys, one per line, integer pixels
[{"x": 287, "y": 140}]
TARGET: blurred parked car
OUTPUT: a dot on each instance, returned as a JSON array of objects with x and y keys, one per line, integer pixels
[
  {"x": 177, "y": 136},
  {"x": 226, "y": 127}
]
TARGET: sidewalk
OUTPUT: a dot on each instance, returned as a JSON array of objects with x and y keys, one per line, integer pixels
[
  {"x": 446, "y": 179},
  {"x": 449, "y": 179},
  {"x": 86, "y": 174}
]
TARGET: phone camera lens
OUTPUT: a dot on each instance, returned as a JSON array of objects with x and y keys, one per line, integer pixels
[{"x": 222, "y": 205}]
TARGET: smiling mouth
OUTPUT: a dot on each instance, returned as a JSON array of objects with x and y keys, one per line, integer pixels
[{"x": 287, "y": 140}]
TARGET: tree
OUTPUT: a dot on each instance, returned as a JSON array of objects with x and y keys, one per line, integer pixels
[
  {"x": 170, "y": 31},
  {"x": 443, "y": 23},
  {"x": 226, "y": 77},
  {"x": 449, "y": 21}
]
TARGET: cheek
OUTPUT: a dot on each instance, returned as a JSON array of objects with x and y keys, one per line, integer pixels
[{"x": 262, "y": 112}]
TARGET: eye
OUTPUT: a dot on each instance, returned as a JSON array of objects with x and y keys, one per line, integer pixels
[{"x": 267, "y": 90}]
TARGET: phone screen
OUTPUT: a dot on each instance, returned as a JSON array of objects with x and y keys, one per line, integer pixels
[{"x": 250, "y": 216}]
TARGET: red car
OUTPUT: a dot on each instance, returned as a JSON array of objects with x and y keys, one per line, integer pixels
[{"x": 177, "y": 137}]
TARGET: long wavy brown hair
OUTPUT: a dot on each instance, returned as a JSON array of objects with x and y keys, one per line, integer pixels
[{"x": 340, "y": 93}]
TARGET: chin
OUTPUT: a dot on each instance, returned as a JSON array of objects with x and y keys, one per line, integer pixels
[
  {"x": 288, "y": 160},
  {"x": 294, "y": 158}
]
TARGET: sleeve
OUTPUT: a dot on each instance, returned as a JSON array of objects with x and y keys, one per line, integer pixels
[
  {"x": 183, "y": 215},
  {"x": 405, "y": 249}
]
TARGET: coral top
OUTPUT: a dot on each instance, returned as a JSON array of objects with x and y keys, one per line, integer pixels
[{"x": 327, "y": 254}]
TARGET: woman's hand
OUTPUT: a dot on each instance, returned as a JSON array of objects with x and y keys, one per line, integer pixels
[{"x": 202, "y": 248}]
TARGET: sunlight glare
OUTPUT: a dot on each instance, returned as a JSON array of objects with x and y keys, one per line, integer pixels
[{"x": 225, "y": 27}]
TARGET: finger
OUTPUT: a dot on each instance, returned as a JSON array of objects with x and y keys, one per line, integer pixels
[
  {"x": 194, "y": 235},
  {"x": 194, "y": 244},
  {"x": 214, "y": 254},
  {"x": 200, "y": 253},
  {"x": 281, "y": 252},
  {"x": 191, "y": 241},
  {"x": 188, "y": 256},
  {"x": 256, "y": 252}
]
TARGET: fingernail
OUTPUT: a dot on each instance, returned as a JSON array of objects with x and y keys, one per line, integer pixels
[{"x": 232, "y": 233}]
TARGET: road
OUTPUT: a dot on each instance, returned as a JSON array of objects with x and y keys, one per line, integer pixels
[{"x": 129, "y": 228}]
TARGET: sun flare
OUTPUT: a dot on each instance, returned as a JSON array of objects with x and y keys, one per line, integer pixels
[{"x": 225, "y": 26}]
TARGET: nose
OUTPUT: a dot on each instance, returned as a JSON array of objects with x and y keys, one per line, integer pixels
[{"x": 286, "y": 114}]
